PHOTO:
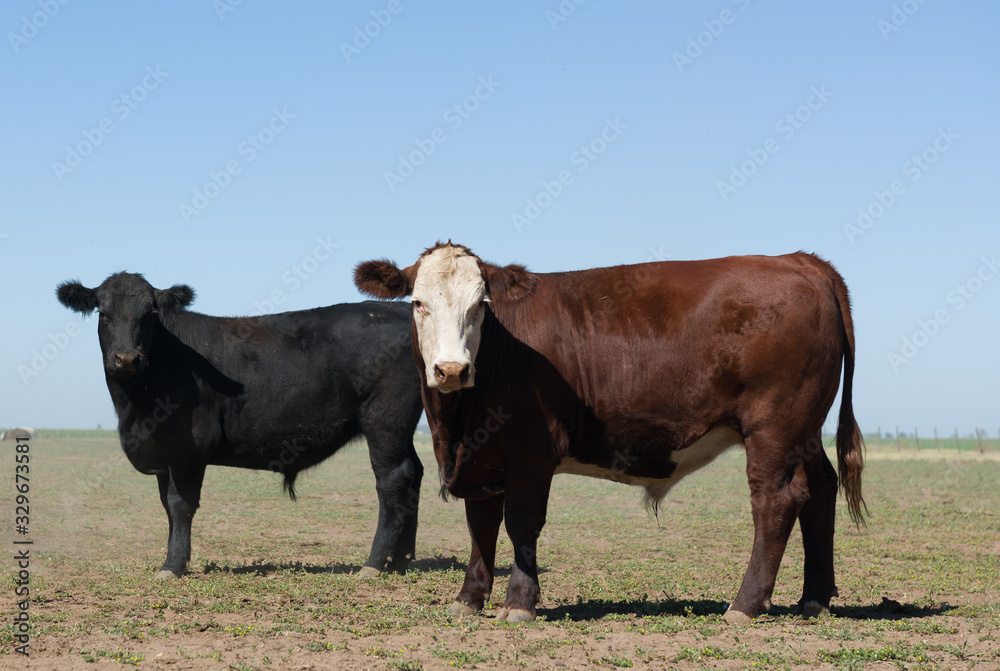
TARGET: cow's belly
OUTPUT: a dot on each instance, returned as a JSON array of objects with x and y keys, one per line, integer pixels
[{"x": 686, "y": 461}]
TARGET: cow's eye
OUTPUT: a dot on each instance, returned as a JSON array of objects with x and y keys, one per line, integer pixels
[{"x": 420, "y": 307}]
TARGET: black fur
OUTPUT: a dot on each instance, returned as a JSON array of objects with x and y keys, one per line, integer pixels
[{"x": 280, "y": 392}]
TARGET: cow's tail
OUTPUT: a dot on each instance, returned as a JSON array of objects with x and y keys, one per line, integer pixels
[
  {"x": 850, "y": 444},
  {"x": 289, "y": 484}
]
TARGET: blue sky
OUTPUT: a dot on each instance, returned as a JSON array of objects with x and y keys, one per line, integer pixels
[{"x": 258, "y": 151}]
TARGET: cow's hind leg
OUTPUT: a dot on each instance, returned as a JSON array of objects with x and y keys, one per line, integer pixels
[
  {"x": 180, "y": 494},
  {"x": 398, "y": 473},
  {"x": 777, "y": 492},
  {"x": 817, "y": 520},
  {"x": 484, "y": 517}
]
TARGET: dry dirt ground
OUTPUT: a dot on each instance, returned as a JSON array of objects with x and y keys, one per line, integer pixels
[{"x": 272, "y": 586}]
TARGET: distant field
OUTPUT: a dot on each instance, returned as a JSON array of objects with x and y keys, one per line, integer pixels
[{"x": 271, "y": 585}]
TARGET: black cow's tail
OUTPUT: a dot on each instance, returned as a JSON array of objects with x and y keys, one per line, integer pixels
[
  {"x": 289, "y": 484},
  {"x": 850, "y": 444}
]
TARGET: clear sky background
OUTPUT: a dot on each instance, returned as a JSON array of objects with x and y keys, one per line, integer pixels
[{"x": 681, "y": 130}]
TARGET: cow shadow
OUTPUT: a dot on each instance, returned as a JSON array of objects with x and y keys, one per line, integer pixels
[
  {"x": 595, "y": 609},
  {"x": 424, "y": 565}
]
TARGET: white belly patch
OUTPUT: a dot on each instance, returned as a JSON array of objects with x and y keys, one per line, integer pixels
[{"x": 688, "y": 460}]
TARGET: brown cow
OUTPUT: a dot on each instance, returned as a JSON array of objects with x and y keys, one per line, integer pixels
[{"x": 639, "y": 374}]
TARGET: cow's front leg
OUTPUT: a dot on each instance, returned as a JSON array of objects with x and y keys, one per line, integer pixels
[
  {"x": 483, "y": 517},
  {"x": 180, "y": 494},
  {"x": 526, "y": 504}
]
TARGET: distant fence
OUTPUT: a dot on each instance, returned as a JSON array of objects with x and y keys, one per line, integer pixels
[{"x": 894, "y": 439}]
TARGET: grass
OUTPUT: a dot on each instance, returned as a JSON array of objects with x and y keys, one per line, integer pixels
[{"x": 273, "y": 580}]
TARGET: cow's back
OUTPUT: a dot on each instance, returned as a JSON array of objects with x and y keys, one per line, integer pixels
[
  {"x": 659, "y": 353},
  {"x": 293, "y": 380}
]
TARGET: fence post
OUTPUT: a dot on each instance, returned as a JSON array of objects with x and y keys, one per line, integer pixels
[
  {"x": 979, "y": 439},
  {"x": 957, "y": 446},
  {"x": 916, "y": 437},
  {"x": 937, "y": 443},
  {"x": 878, "y": 436},
  {"x": 897, "y": 438}
]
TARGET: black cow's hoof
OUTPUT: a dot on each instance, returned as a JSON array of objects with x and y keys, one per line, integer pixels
[
  {"x": 166, "y": 575},
  {"x": 814, "y": 609}
]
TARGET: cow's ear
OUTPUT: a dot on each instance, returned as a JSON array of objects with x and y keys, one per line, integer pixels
[
  {"x": 508, "y": 283},
  {"x": 384, "y": 279},
  {"x": 77, "y": 297},
  {"x": 175, "y": 298}
]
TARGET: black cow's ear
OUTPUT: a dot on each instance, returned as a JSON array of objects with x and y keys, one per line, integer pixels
[
  {"x": 508, "y": 283},
  {"x": 384, "y": 279},
  {"x": 175, "y": 298},
  {"x": 77, "y": 297}
]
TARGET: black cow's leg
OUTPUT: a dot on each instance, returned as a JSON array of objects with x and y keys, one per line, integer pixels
[
  {"x": 180, "y": 493},
  {"x": 398, "y": 473},
  {"x": 163, "y": 482},
  {"x": 777, "y": 492},
  {"x": 406, "y": 545},
  {"x": 817, "y": 521},
  {"x": 526, "y": 505},
  {"x": 483, "y": 517}
]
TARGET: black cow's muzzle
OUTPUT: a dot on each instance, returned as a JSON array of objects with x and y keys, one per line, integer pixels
[{"x": 126, "y": 364}]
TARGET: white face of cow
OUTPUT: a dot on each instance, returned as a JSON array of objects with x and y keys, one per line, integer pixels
[{"x": 449, "y": 299}]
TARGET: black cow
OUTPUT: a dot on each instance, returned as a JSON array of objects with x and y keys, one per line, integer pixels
[{"x": 280, "y": 392}]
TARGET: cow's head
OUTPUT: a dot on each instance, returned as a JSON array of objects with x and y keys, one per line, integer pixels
[
  {"x": 451, "y": 287},
  {"x": 128, "y": 307}
]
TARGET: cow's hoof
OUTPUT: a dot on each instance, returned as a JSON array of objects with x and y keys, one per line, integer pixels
[
  {"x": 736, "y": 617},
  {"x": 520, "y": 615},
  {"x": 166, "y": 575},
  {"x": 514, "y": 615},
  {"x": 459, "y": 609},
  {"x": 369, "y": 572},
  {"x": 814, "y": 609}
]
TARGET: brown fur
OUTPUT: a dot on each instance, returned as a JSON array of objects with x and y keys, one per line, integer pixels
[{"x": 623, "y": 368}]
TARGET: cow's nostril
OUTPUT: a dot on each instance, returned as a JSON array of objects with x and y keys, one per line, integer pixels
[
  {"x": 439, "y": 374},
  {"x": 464, "y": 375}
]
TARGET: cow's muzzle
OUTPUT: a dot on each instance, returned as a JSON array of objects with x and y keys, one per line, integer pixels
[
  {"x": 451, "y": 376},
  {"x": 126, "y": 364}
]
